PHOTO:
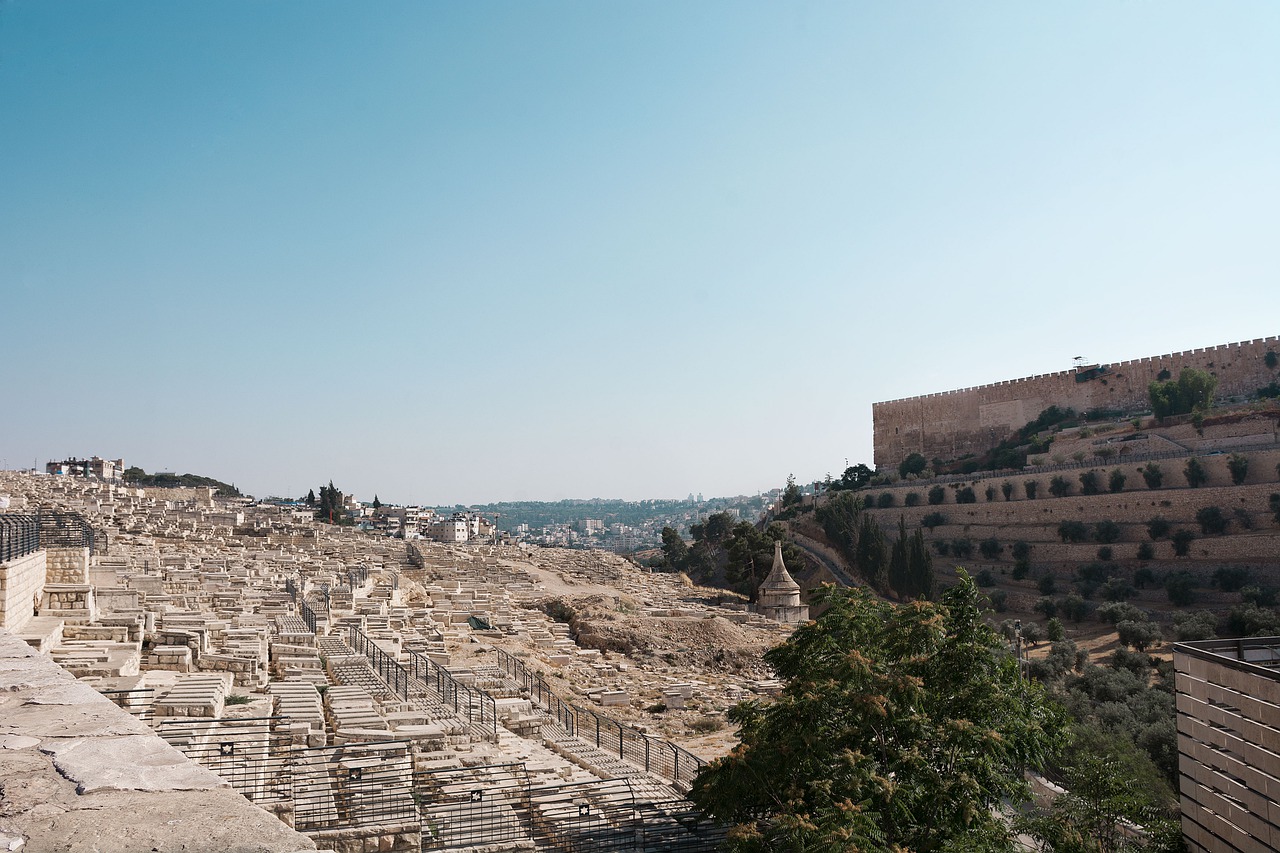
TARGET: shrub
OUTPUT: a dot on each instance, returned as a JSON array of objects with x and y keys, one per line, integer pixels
[
  {"x": 1073, "y": 531},
  {"x": 1238, "y": 465},
  {"x": 1104, "y": 553},
  {"x": 1032, "y": 632},
  {"x": 1059, "y": 486},
  {"x": 1030, "y": 487},
  {"x": 933, "y": 519},
  {"x": 1195, "y": 473},
  {"x": 236, "y": 699},
  {"x": 1157, "y": 527},
  {"x": 1271, "y": 359},
  {"x": 1181, "y": 588},
  {"x": 962, "y": 548},
  {"x": 1212, "y": 520},
  {"x": 1144, "y": 575},
  {"x": 1250, "y": 621},
  {"x": 1117, "y": 589},
  {"x": 1089, "y": 483},
  {"x": 1046, "y": 605},
  {"x": 1021, "y": 568},
  {"x": 1120, "y": 611},
  {"x": 1242, "y": 516},
  {"x": 1146, "y": 551},
  {"x": 1106, "y": 532},
  {"x": 1094, "y": 573},
  {"x": 990, "y": 493},
  {"x": 885, "y": 500},
  {"x": 1006, "y": 488},
  {"x": 999, "y": 600},
  {"x": 1231, "y": 578},
  {"x": 966, "y": 496},
  {"x": 1152, "y": 475},
  {"x": 936, "y": 495},
  {"x": 991, "y": 548},
  {"x": 912, "y": 499},
  {"x": 1054, "y": 630},
  {"x": 984, "y": 578},
  {"x": 1197, "y": 625},
  {"x": 706, "y": 725},
  {"x": 1047, "y": 584},
  {"x": 913, "y": 464},
  {"x": 1260, "y": 596},
  {"x": 1074, "y": 607},
  {"x": 1139, "y": 635},
  {"x": 1020, "y": 550},
  {"x": 1182, "y": 539},
  {"x": 1104, "y": 453},
  {"x": 942, "y": 546},
  {"x": 1115, "y": 483}
]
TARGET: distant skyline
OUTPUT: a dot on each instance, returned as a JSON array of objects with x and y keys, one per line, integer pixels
[{"x": 479, "y": 252}]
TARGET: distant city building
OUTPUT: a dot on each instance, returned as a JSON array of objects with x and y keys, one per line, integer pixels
[{"x": 95, "y": 466}]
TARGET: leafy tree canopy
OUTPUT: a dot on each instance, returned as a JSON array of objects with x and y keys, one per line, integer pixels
[
  {"x": 1191, "y": 391},
  {"x": 900, "y": 727}
]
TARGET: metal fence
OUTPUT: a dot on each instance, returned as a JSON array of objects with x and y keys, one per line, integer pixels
[
  {"x": 138, "y": 702},
  {"x": 19, "y": 536},
  {"x": 652, "y": 755},
  {"x": 353, "y": 785},
  {"x": 424, "y": 676},
  {"x": 249, "y": 753}
]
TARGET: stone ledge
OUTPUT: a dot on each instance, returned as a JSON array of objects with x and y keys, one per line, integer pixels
[{"x": 79, "y": 774}]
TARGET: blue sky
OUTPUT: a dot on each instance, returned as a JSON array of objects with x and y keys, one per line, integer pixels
[{"x": 463, "y": 252}]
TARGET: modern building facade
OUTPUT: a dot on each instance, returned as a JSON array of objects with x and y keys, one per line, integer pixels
[{"x": 1229, "y": 743}]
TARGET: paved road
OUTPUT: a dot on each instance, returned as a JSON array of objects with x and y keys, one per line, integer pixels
[{"x": 804, "y": 543}]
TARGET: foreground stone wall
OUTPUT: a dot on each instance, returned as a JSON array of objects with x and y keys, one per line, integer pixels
[
  {"x": 79, "y": 774},
  {"x": 970, "y": 420},
  {"x": 21, "y": 585}
]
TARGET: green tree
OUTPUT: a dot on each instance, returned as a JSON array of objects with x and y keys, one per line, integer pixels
[
  {"x": 1031, "y": 486},
  {"x": 1195, "y": 473},
  {"x": 675, "y": 549},
  {"x": 1006, "y": 488},
  {"x": 1192, "y": 391},
  {"x": 1238, "y": 465},
  {"x": 913, "y": 464},
  {"x": 899, "y": 728},
  {"x": 1089, "y": 484},
  {"x": 331, "y": 505},
  {"x": 853, "y": 478},
  {"x": 1059, "y": 486},
  {"x": 872, "y": 554},
  {"x": 1157, "y": 527},
  {"x": 377, "y": 504},
  {"x": 1152, "y": 475},
  {"x": 1106, "y": 532},
  {"x": 936, "y": 495},
  {"x": 791, "y": 493},
  {"x": 840, "y": 516},
  {"x": 1182, "y": 539},
  {"x": 1116, "y": 482},
  {"x": 311, "y": 498},
  {"x": 1212, "y": 520},
  {"x": 1073, "y": 531}
]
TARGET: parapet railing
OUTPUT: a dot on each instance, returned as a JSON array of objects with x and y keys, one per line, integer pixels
[
  {"x": 19, "y": 536},
  {"x": 474, "y": 705},
  {"x": 652, "y": 755}
]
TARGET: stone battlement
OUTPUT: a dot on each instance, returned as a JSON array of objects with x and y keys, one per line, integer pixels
[{"x": 949, "y": 424}]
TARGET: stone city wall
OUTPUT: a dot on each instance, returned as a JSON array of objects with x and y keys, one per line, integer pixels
[
  {"x": 1036, "y": 521},
  {"x": 21, "y": 585},
  {"x": 971, "y": 420}
]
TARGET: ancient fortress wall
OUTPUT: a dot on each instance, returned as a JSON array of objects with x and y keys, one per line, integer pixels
[{"x": 971, "y": 420}]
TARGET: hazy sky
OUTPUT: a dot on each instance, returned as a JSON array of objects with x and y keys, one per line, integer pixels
[{"x": 474, "y": 251}]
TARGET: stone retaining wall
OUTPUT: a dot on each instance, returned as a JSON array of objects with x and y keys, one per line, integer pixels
[{"x": 21, "y": 585}]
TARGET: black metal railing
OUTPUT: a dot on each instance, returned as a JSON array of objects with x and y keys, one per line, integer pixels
[
  {"x": 248, "y": 753},
  {"x": 652, "y": 755},
  {"x": 307, "y": 615},
  {"x": 63, "y": 529},
  {"x": 354, "y": 785},
  {"x": 474, "y": 705},
  {"x": 19, "y": 536}
]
